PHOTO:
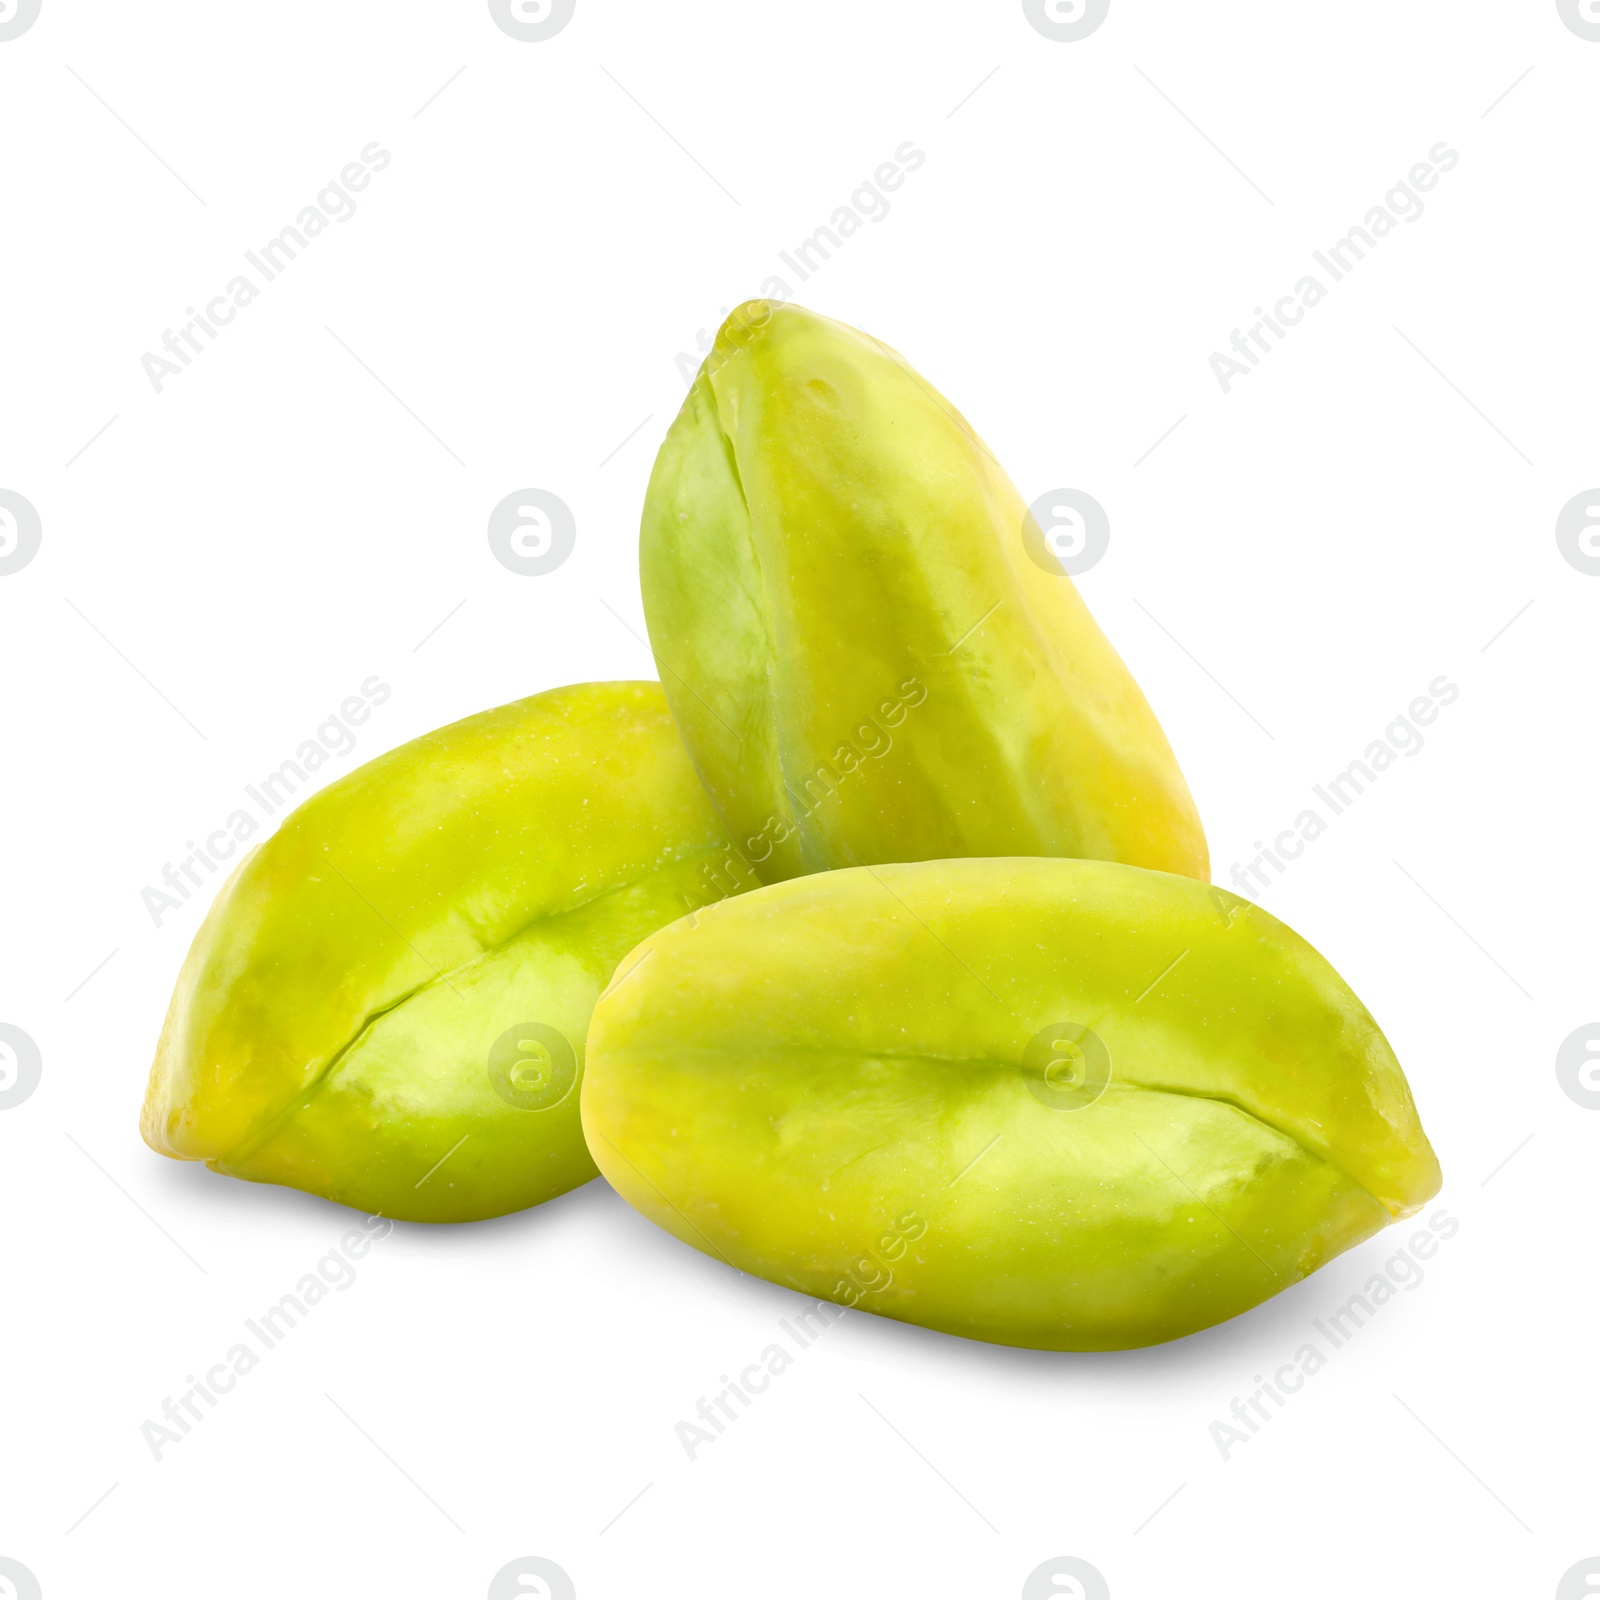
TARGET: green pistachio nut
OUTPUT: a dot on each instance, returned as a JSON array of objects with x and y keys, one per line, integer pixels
[
  {"x": 1071, "y": 1105},
  {"x": 866, "y": 644},
  {"x": 387, "y": 1003}
]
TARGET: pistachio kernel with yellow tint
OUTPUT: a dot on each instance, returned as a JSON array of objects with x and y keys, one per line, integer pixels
[
  {"x": 387, "y": 1004},
  {"x": 861, "y": 643},
  {"x": 1072, "y": 1105}
]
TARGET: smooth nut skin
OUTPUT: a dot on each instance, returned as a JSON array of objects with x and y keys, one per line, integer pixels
[
  {"x": 863, "y": 658},
  {"x": 837, "y": 1083},
  {"x": 360, "y": 986}
]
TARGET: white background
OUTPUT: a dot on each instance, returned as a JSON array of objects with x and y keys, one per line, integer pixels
[{"x": 229, "y": 559}]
